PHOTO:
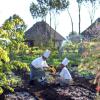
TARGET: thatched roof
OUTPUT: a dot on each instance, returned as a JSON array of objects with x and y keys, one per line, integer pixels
[
  {"x": 42, "y": 28},
  {"x": 93, "y": 31}
]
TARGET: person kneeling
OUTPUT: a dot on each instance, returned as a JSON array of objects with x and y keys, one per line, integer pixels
[{"x": 64, "y": 77}]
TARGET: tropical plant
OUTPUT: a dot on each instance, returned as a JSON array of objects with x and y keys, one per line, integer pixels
[
  {"x": 90, "y": 57},
  {"x": 11, "y": 45}
]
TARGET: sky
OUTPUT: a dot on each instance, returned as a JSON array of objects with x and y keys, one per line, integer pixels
[{"x": 63, "y": 24}]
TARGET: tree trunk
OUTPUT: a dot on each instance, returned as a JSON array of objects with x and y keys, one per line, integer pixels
[
  {"x": 50, "y": 24},
  {"x": 55, "y": 30},
  {"x": 71, "y": 20},
  {"x": 79, "y": 8},
  {"x": 50, "y": 34}
]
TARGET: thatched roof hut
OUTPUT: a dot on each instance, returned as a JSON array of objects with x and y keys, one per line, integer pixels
[
  {"x": 93, "y": 31},
  {"x": 41, "y": 33}
]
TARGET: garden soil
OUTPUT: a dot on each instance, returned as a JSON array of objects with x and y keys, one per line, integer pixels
[{"x": 81, "y": 89}]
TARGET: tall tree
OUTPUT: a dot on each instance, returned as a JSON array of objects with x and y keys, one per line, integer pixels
[
  {"x": 57, "y": 6},
  {"x": 70, "y": 17},
  {"x": 92, "y": 6},
  {"x": 79, "y": 10}
]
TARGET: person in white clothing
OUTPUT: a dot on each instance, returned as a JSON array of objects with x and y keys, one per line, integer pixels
[
  {"x": 64, "y": 75},
  {"x": 37, "y": 67}
]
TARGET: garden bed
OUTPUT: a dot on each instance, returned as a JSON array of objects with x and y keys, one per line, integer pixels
[{"x": 80, "y": 90}]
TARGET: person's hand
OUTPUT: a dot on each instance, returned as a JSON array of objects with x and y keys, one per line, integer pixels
[{"x": 46, "y": 68}]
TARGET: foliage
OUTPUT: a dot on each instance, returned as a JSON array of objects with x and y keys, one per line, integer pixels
[
  {"x": 14, "y": 23},
  {"x": 53, "y": 56},
  {"x": 19, "y": 65},
  {"x": 90, "y": 57},
  {"x": 42, "y": 8},
  {"x": 11, "y": 45},
  {"x": 38, "y": 10},
  {"x": 85, "y": 56},
  {"x": 3, "y": 55},
  {"x": 14, "y": 28},
  {"x": 3, "y": 33},
  {"x": 72, "y": 53},
  {"x": 6, "y": 79}
]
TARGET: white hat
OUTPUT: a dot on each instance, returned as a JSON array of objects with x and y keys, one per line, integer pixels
[
  {"x": 65, "y": 61},
  {"x": 46, "y": 53}
]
